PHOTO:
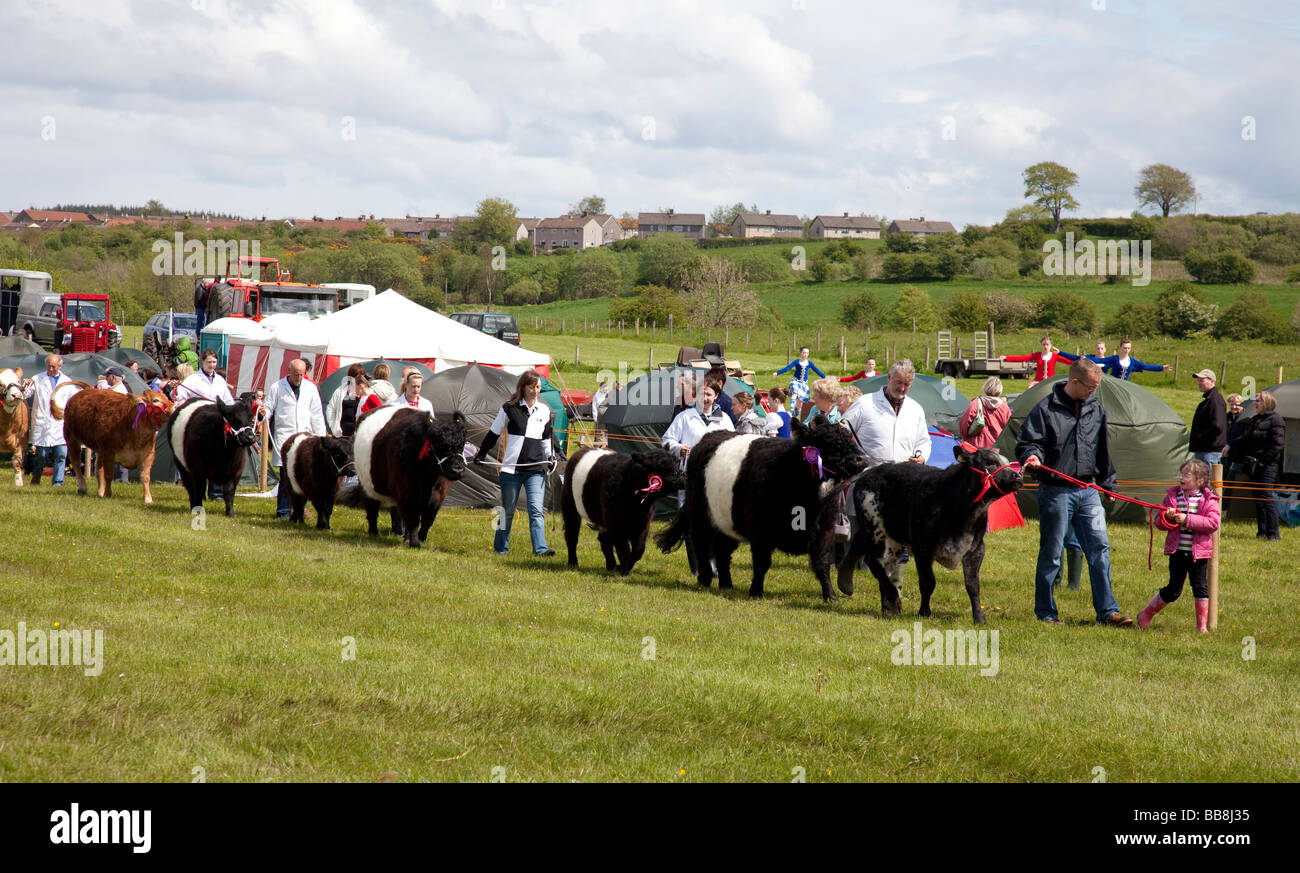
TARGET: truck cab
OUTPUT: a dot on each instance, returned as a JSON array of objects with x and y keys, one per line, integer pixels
[{"x": 69, "y": 322}]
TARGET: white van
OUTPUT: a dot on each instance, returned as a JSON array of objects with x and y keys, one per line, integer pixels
[
  {"x": 15, "y": 285},
  {"x": 350, "y": 292}
]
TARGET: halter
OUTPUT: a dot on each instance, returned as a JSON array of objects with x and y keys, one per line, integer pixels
[
  {"x": 654, "y": 483},
  {"x": 154, "y": 417},
  {"x": 232, "y": 432},
  {"x": 427, "y": 449},
  {"x": 990, "y": 482}
]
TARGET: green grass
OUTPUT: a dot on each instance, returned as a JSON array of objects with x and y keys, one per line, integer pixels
[{"x": 223, "y": 651}]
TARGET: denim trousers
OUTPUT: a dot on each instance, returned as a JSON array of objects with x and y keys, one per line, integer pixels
[
  {"x": 283, "y": 502},
  {"x": 1210, "y": 458},
  {"x": 1078, "y": 510},
  {"x": 56, "y": 457},
  {"x": 534, "y": 487}
]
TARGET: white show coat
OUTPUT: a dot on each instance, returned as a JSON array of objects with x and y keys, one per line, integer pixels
[
  {"x": 293, "y": 414},
  {"x": 199, "y": 385},
  {"x": 885, "y": 436},
  {"x": 46, "y": 430}
]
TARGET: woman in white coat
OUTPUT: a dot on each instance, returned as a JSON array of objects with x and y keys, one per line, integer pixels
[{"x": 686, "y": 431}]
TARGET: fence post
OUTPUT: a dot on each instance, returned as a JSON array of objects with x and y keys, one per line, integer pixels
[
  {"x": 746, "y": 339},
  {"x": 620, "y": 327},
  {"x": 576, "y": 351},
  {"x": 651, "y": 365},
  {"x": 769, "y": 339},
  {"x": 819, "y": 338},
  {"x": 726, "y": 336},
  {"x": 1216, "y": 480},
  {"x": 654, "y": 328},
  {"x": 895, "y": 350},
  {"x": 844, "y": 354},
  {"x": 670, "y": 327},
  {"x": 1223, "y": 373},
  {"x": 1279, "y": 374},
  {"x": 927, "y": 357},
  {"x": 1175, "y": 368}
]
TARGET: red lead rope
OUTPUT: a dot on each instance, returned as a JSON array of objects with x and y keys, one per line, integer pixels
[{"x": 1153, "y": 518}]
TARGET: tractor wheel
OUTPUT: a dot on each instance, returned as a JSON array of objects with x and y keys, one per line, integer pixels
[
  {"x": 221, "y": 300},
  {"x": 150, "y": 348}
]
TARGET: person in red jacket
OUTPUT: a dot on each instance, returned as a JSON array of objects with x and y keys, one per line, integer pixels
[
  {"x": 1045, "y": 361},
  {"x": 1191, "y": 516}
]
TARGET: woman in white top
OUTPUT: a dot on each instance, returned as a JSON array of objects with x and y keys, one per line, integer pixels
[
  {"x": 410, "y": 397},
  {"x": 690, "y": 426}
]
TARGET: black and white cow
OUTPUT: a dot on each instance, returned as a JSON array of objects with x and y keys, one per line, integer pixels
[
  {"x": 615, "y": 493},
  {"x": 938, "y": 515},
  {"x": 772, "y": 493},
  {"x": 315, "y": 465},
  {"x": 210, "y": 441},
  {"x": 406, "y": 460}
]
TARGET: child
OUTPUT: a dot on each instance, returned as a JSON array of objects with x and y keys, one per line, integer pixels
[
  {"x": 1191, "y": 517},
  {"x": 798, "y": 390}
]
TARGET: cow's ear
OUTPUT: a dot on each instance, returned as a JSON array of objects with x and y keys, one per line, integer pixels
[
  {"x": 797, "y": 429},
  {"x": 959, "y": 453},
  {"x": 18, "y": 371},
  {"x": 458, "y": 417},
  {"x": 221, "y": 406}
]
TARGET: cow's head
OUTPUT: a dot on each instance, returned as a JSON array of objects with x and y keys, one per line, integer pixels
[
  {"x": 11, "y": 389},
  {"x": 834, "y": 455},
  {"x": 444, "y": 445},
  {"x": 1000, "y": 476},
  {"x": 238, "y": 418},
  {"x": 655, "y": 474},
  {"x": 152, "y": 407},
  {"x": 339, "y": 451}
]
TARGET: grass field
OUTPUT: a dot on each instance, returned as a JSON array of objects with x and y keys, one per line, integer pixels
[{"x": 224, "y": 650}]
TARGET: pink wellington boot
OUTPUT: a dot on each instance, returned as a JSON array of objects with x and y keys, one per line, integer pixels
[
  {"x": 1203, "y": 615},
  {"x": 1149, "y": 611}
]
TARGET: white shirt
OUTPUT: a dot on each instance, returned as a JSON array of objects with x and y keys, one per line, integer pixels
[
  {"x": 885, "y": 436},
  {"x": 690, "y": 426},
  {"x": 199, "y": 385},
  {"x": 46, "y": 431},
  {"x": 421, "y": 403},
  {"x": 293, "y": 414}
]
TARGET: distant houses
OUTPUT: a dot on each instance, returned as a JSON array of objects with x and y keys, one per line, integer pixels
[
  {"x": 751, "y": 225},
  {"x": 921, "y": 227},
  {"x": 844, "y": 227},
  {"x": 576, "y": 232},
  {"x": 689, "y": 224}
]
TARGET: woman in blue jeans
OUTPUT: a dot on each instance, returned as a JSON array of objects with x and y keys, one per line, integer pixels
[{"x": 525, "y": 459}]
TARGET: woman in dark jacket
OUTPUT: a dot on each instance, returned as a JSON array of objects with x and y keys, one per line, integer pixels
[{"x": 1258, "y": 450}]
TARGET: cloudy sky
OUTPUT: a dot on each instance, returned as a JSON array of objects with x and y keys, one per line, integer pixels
[{"x": 903, "y": 109}]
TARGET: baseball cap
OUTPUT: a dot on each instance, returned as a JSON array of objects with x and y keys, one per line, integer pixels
[
  {"x": 115, "y": 371},
  {"x": 1204, "y": 374}
]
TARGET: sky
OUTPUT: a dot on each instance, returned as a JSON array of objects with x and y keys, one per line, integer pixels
[{"x": 920, "y": 108}]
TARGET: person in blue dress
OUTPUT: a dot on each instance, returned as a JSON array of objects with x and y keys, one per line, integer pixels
[
  {"x": 799, "y": 395},
  {"x": 1120, "y": 366}
]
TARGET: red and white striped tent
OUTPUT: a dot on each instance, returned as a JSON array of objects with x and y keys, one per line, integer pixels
[{"x": 387, "y": 325}]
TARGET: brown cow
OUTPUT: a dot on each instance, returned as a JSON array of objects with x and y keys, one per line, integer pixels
[
  {"x": 120, "y": 428},
  {"x": 14, "y": 419}
]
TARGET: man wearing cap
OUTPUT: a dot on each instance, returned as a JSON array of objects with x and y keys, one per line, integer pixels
[
  {"x": 115, "y": 380},
  {"x": 47, "y": 431},
  {"x": 1209, "y": 433}
]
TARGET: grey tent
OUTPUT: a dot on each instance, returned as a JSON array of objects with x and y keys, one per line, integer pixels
[
  {"x": 641, "y": 411},
  {"x": 331, "y": 383},
  {"x": 82, "y": 367},
  {"x": 17, "y": 345},
  {"x": 1288, "y": 406},
  {"x": 477, "y": 392},
  {"x": 125, "y": 355},
  {"x": 1147, "y": 441},
  {"x": 942, "y": 402}
]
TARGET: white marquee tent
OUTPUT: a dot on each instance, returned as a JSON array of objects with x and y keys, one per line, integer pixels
[{"x": 385, "y": 326}]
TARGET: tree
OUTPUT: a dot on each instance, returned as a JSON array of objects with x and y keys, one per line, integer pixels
[
  {"x": 1049, "y": 184},
  {"x": 727, "y": 214},
  {"x": 654, "y": 304},
  {"x": 966, "y": 310},
  {"x": 1165, "y": 187},
  {"x": 914, "y": 307},
  {"x": 589, "y": 205},
  {"x": 591, "y": 274},
  {"x": 718, "y": 294},
  {"x": 665, "y": 258},
  {"x": 1225, "y": 268},
  {"x": 1251, "y": 317},
  {"x": 155, "y": 207},
  {"x": 494, "y": 223},
  {"x": 861, "y": 311}
]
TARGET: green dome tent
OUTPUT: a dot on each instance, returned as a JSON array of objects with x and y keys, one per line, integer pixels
[
  {"x": 1147, "y": 440},
  {"x": 641, "y": 411},
  {"x": 942, "y": 402}
]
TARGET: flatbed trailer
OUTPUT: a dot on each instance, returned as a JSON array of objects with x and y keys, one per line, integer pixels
[{"x": 983, "y": 360}]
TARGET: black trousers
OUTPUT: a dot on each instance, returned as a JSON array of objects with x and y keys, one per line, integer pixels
[
  {"x": 1181, "y": 566},
  {"x": 1266, "y": 502}
]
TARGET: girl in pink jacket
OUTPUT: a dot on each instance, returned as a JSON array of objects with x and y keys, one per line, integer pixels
[{"x": 1192, "y": 517}]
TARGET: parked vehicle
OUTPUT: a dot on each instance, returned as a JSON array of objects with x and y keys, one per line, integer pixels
[
  {"x": 155, "y": 342},
  {"x": 68, "y": 322},
  {"x": 350, "y": 292},
  {"x": 498, "y": 324},
  {"x": 257, "y": 287},
  {"x": 13, "y": 285},
  {"x": 983, "y": 360}
]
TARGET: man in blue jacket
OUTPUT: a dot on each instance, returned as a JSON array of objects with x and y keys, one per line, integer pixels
[{"x": 1067, "y": 432}]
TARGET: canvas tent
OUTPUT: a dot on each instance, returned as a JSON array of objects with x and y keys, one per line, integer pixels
[
  {"x": 82, "y": 367},
  {"x": 641, "y": 411},
  {"x": 1288, "y": 406},
  {"x": 125, "y": 355},
  {"x": 942, "y": 402},
  {"x": 17, "y": 345},
  {"x": 1147, "y": 441},
  {"x": 387, "y": 325}
]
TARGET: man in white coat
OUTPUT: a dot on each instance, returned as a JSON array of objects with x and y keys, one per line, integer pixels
[
  {"x": 295, "y": 407},
  {"x": 47, "y": 431},
  {"x": 889, "y": 427}
]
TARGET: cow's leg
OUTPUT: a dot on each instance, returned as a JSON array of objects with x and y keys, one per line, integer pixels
[
  {"x": 762, "y": 563},
  {"x": 105, "y": 473},
  {"x": 821, "y": 556},
  {"x": 700, "y": 541},
  {"x": 398, "y": 526},
  {"x": 623, "y": 549},
  {"x": 925, "y": 580},
  {"x": 572, "y": 527},
  {"x": 297, "y": 507},
  {"x": 890, "y": 601},
  {"x": 606, "y": 540},
  {"x": 637, "y": 547},
  {"x": 323, "y": 506},
  {"x": 970, "y": 566},
  {"x": 435, "y": 503},
  {"x": 187, "y": 480},
  {"x": 372, "y": 517},
  {"x": 723, "y": 546},
  {"x": 146, "y": 466},
  {"x": 228, "y": 492},
  {"x": 410, "y": 514},
  {"x": 78, "y": 469},
  {"x": 18, "y": 466}
]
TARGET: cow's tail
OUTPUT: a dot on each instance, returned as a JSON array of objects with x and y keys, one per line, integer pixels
[
  {"x": 672, "y": 536},
  {"x": 56, "y": 410},
  {"x": 351, "y": 494}
]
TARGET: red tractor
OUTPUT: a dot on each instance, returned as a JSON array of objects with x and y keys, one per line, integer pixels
[
  {"x": 85, "y": 324},
  {"x": 257, "y": 287}
]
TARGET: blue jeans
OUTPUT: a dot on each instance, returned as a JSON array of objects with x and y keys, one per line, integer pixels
[
  {"x": 1079, "y": 510},
  {"x": 1210, "y": 458},
  {"x": 534, "y": 486},
  {"x": 283, "y": 502},
  {"x": 57, "y": 456}
]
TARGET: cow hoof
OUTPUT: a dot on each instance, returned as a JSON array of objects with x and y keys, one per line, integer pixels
[
  {"x": 923, "y": 612},
  {"x": 573, "y": 562},
  {"x": 414, "y": 545},
  {"x": 829, "y": 598},
  {"x": 625, "y": 571},
  {"x": 979, "y": 618},
  {"x": 722, "y": 584}
]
